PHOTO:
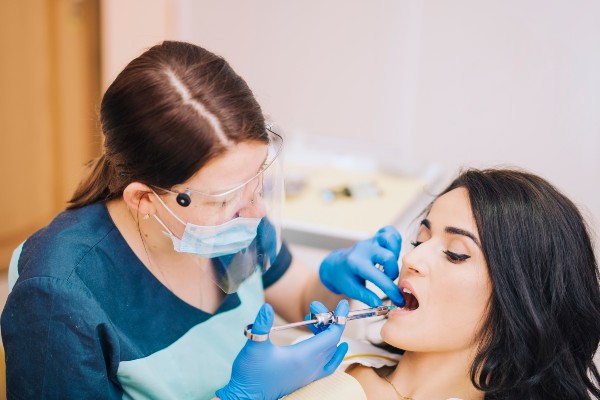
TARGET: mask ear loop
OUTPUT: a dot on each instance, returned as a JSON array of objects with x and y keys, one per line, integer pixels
[{"x": 168, "y": 231}]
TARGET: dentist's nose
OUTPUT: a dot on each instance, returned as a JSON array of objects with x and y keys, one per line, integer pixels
[
  {"x": 253, "y": 207},
  {"x": 253, "y": 204}
]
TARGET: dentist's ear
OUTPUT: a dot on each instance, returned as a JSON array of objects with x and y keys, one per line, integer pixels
[{"x": 137, "y": 198}]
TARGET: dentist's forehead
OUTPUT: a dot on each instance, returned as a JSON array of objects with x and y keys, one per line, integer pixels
[{"x": 235, "y": 166}]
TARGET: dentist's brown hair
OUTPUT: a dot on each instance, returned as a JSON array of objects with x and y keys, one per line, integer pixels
[{"x": 169, "y": 112}]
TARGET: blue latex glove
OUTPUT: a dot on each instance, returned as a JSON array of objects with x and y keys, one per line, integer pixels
[
  {"x": 265, "y": 371},
  {"x": 346, "y": 271}
]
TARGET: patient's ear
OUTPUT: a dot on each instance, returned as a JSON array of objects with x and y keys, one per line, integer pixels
[{"x": 138, "y": 198}]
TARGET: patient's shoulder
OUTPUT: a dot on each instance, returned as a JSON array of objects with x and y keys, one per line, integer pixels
[
  {"x": 337, "y": 386},
  {"x": 371, "y": 380},
  {"x": 359, "y": 370}
]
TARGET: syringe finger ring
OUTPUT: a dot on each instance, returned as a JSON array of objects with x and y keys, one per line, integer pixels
[
  {"x": 318, "y": 320},
  {"x": 255, "y": 337}
]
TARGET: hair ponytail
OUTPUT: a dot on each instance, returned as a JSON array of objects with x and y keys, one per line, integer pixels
[{"x": 95, "y": 187}]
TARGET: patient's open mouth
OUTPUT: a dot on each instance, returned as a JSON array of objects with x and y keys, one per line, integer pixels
[{"x": 411, "y": 302}]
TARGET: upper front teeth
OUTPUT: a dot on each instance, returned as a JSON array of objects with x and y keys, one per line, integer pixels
[{"x": 405, "y": 290}]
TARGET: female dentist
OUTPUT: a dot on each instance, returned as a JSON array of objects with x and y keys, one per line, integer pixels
[{"x": 171, "y": 244}]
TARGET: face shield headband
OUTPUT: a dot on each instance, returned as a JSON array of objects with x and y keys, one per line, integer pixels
[{"x": 235, "y": 247}]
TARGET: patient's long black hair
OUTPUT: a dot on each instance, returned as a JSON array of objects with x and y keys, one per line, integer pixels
[{"x": 543, "y": 323}]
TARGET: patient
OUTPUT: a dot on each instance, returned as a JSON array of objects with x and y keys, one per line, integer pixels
[{"x": 502, "y": 298}]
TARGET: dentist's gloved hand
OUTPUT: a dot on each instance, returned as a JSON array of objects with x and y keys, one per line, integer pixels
[
  {"x": 346, "y": 271},
  {"x": 265, "y": 371}
]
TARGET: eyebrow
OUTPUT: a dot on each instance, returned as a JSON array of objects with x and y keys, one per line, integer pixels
[{"x": 453, "y": 231}]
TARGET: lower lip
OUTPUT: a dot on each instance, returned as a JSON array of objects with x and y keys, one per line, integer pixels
[{"x": 400, "y": 311}]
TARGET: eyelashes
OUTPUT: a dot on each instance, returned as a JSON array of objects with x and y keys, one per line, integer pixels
[
  {"x": 454, "y": 257},
  {"x": 451, "y": 256}
]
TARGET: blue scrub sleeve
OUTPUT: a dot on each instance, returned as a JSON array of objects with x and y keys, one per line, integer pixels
[{"x": 57, "y": 345}]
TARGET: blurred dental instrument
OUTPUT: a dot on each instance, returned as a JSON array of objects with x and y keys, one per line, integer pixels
[{"x": 360, "y": 190}]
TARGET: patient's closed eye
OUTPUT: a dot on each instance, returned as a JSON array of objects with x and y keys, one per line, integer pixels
[{"x": 454, "y": 257}]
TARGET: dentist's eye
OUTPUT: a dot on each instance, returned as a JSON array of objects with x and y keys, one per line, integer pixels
[
  {"x": 455, "y": 258},
  {"x": 415, "y": 243}
]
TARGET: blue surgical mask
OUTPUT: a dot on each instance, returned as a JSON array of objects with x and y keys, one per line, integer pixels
[
  {"x": 216, "y": 241},
  {"x": 213, "y": 241}
]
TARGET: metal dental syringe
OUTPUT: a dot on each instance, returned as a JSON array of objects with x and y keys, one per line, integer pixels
[{"x": 322, "y": 319}]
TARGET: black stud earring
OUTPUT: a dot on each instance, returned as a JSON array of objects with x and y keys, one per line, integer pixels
[{"x": 183, "y": 199}]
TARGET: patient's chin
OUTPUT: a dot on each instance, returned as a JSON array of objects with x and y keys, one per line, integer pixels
[
  {"x": 402, "y": 336},
  {"x": 390, "y": 334}
]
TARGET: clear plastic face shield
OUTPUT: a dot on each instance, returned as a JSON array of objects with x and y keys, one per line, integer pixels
[{"x": 239, "y": 229}]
